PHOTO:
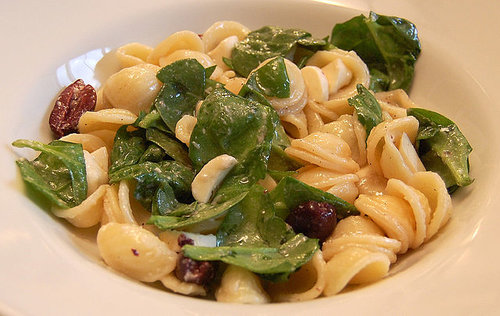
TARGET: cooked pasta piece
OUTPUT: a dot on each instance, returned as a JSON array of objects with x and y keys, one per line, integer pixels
[
  {"x": 390, "y": 148},
  {"x": 108, "y": 119},
  {"x": 352, "y": 132},
  {"x": 411, "y": 213},
  {"x": 394, "y": 102},
  {"x": 88, "y": 213},
  {"x": 171, "y": 282},
  {"x": 360, "y": 231},
  {"x": 239, "y": 285},
  {"x": 89, "y": 142},
  {"x": 340, "y": 185},
  {"x": 223, "y": 50},
  {"x": 221, "y": 30},
  {"x": 135, "y": 251},
  {"x": 295, "y": 124},
  {"x": 357, "y": 253},
  {"x": 179, "y": 40},
  {"x": 344, "y": 70},
  {"x": 370, "y": 182},
  {"x": 133, "y": 88},
  {"x": 132, "y": 54},
  {"x": 324, "y": 150},
  {"x": 95, "y": 174},
  {"x": 117, "y": 205},
  {"x": 305, "y": 284}
]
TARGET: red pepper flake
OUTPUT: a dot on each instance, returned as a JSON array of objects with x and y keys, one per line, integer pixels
[{"x": 135, "y": 252}]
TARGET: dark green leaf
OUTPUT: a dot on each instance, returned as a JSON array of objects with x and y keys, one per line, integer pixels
[
  {"x": 153, "y": 153},
  {"x": 268, "y": 42},
  {"x": 170, "y": 145},
  {"x": 442, "y": 147},
  {"x": 128, "y": 148},
  {"x": 252, "y": 223},
  {"x": 270, "y": 80},
  {"x": 151, "y": 119},
  {"x": 229, "y": 124},
  {"x": 196, "y": 212},
  {"x": 58, "y": 172},
  {"x": 184, "y": 85},
  {"x": 270, "y": 263},
  {"x": 291, "y": 192},
  {"x": 367, "y": 108},
  {"x": 388, "y": 45}
]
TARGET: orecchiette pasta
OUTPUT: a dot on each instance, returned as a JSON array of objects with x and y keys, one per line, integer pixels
[
  {"x": 357, "y": 253},
  {"x": 88, "y": 213},
  {"x": 324, "y": 150},
  {"x": 133, "y": 54},
  {"x": 400, "y": 204},
  {"x": 108, "y": 119},
  {"x": 135, "y": 251},
  {"x": 411, "y": 213},
  {"x": 180, "y": 40},
  {"x": 303, "y": 285},
  {"x": 239, "y": 285},
  {"x": 390, "y": 148},
  {"x": 133, "y": 88}
]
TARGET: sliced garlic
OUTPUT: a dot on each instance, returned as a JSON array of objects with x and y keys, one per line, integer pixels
[
  {"x": 184, "y": 128},
  {"x": 210, "y": 176}
]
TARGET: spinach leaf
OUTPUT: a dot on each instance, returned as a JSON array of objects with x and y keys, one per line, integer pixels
[
  {"x": 244, "y": 129},
  {"x": 170, "y": 145},
  {"x": 388, "y": 45},
  {"x": 290, "y": 192},
  {"x": 184, "y": 85},
  {"x": 252, "y": 222},
  {"x": 270, "y": 80},
  {"x": 151, "y": 119},
  {"x": 443, "y": 148},
  {"x": 367, "y": 108},
  {"x": 58, "y": 173},
  {"x": 270, "y": 41},
  {"x": 251, "y": 228},
  {"x": 152, "y": 176},
  {"x": 189, "y": 214},
  {"x": 128, "y": 148},
  {"x": 153, "y": 153},
  {"x": 271, "y": 263}
]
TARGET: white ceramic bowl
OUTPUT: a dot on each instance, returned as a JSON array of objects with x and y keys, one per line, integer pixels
[{"x": 49, "y": 268}]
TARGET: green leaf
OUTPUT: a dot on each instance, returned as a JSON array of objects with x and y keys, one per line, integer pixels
[
  {"x": 128, "y": 148},
  {"x": 367, "y": 108},
  {"x": 153, "y": 153},
  {"x": 170, "y": 145},
  {"x": 442, "y": 147},
  {"x": 388, "y": 45},
  {"x": 244, "y": 129},
  {"x": 290, "y": 192},
  {"x": 58, "y": 173},
  {"x": 252, "y": 222},
  {"x": 270, "y": 80},
  {"x": 196, "y": 212},
  {"x": 151, "y": 176},
  {"x": 151, "y": 119},
  {"x": 184, "y": 85},
  {"x": 271, "y": 263},
  {"x": 267, "y": 42}
]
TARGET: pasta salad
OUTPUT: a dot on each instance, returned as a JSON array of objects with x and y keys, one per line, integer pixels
[{"x": 254, "y": 166}]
